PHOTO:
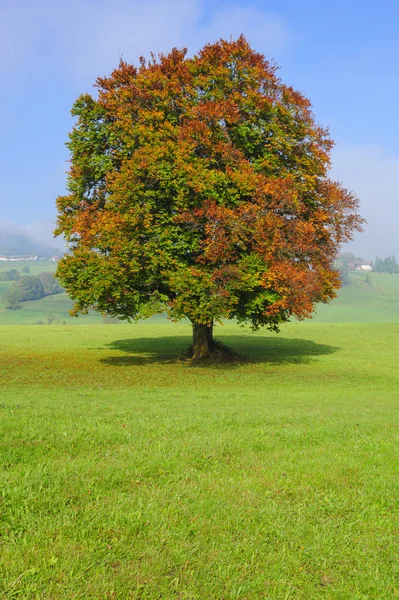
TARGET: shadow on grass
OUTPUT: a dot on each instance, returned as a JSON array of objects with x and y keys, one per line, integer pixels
[{"x": 251, "y": 349}]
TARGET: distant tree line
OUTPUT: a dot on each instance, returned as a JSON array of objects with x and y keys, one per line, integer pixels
[
  {"x": 30, "y": 287},
  {"x": 14, "y": 274},
  {"x": 386, "y": 265}
]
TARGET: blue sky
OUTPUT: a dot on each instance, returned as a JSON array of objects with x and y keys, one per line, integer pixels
[{"x": 343, "y": 55}]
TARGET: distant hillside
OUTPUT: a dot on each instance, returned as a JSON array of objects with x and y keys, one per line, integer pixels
[
  {"x": 16, "y": 243},
  {"x": 368, "y": 297}
]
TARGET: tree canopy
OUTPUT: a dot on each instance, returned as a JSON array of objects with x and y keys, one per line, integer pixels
[
  {"x": 13, "y": 297},
  {"x": 199, "y": 186},
  {"x": 386, "y": 265},
  {"x": 50, "y": 284},
  {"x": 25, "y": 288},
  {"x": 31, "y": 287},
  {"x": 10, "y": 275}
]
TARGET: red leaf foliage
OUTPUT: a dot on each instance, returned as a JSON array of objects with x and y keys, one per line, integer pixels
[{"x": 200, "y": 186}]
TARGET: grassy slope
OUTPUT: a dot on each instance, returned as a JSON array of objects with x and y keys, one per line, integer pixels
[
  {"x": 129, "y": 474},
  {"x": 364, "y": 302},
  {"x": 35, "y": 266},
  {"x": 37, "y": 311}
]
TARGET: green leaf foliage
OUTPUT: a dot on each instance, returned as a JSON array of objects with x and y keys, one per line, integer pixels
[{"x": 199, "y": 187}]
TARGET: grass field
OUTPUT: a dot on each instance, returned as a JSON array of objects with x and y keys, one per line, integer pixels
[
  {"x": 128, "y": 473},
  {"x": 35, "y": 266}
]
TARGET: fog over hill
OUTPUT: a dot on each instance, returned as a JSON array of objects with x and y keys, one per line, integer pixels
[
  {"x": 37, "y": 238},
  {"x": 15, "y": 240}
]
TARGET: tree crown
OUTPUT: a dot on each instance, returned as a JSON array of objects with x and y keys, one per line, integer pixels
[{"x": 199, "y": 186}]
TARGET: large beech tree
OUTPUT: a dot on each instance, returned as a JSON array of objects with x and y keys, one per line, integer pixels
[{"x": 199, "y": 187}]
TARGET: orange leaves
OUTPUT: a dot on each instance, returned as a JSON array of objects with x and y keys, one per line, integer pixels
[
  {"x": 213, "y": 111},
  {"x": 202, "y": 183}
]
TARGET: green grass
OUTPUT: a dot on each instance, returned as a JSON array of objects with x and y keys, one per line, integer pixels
[
  {"x": 37, "y": 312},
  {"x": 35, "y": 266},
  {"x": 128, "y": 473},
  {"x": 364, "y": 302}
]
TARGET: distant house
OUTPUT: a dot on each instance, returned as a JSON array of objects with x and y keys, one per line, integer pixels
[
  {"x": 365, "y": 266},
  {"x": 18, "y": 258}
]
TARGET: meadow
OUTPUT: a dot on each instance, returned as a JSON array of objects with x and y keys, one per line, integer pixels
[{"x": 128, "y": 472}]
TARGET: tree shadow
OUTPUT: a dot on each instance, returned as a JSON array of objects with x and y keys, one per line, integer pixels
[{"x": 250, "y": 349}]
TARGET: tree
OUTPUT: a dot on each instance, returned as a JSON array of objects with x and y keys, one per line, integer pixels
[
  {"x": 344, "y": 275},
  {"x": 198, "y": 186},
  {"x": 349, "y": 261},
  {"x": 52, "y": 318},
  {"x": 10, "y": 275},
  {"x": 50, "y": 284},
  {"x": 26, "y": 270},
  {"x": 395, "y": 266},
  {"x": 343, "y": 264},
  {"x": 347, "y": 258},
  {"x": 13, "y": 274},
  {"x": 379, "y": 265},
  {"x": 28, "y": 287},
  {"x": 390, "y": 265},
  {"x": 31, "y": 287},
  {"x": 386, "y": 265},
  {"x": 12, "y": 297}
]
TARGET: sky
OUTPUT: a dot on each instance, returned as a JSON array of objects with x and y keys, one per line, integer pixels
[{"x": 343, "y": 55}]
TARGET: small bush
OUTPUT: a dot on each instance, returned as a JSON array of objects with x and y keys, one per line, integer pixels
[{"x": 52, "y": 318}]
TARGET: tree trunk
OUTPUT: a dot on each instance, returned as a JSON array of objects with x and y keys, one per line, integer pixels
[{"x": 202, "y": 340}]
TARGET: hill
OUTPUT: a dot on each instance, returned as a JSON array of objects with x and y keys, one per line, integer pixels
[
  {"x": 368, "y": 297},
  {"x": 48, "y": 309},
  {"x": 12, "y": 244}
]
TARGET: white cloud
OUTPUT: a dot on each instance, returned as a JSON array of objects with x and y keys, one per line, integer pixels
[
  {"x": 130, "y": 29},
  {"x": 88, "y": 37},
  {"x": 42, "y": 231},
  {"x": 374, "y": 176}
]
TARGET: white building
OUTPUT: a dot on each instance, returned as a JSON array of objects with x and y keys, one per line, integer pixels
[
  {"x": 365, "y": 267},
  {"x": 18, "y": 258}
]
